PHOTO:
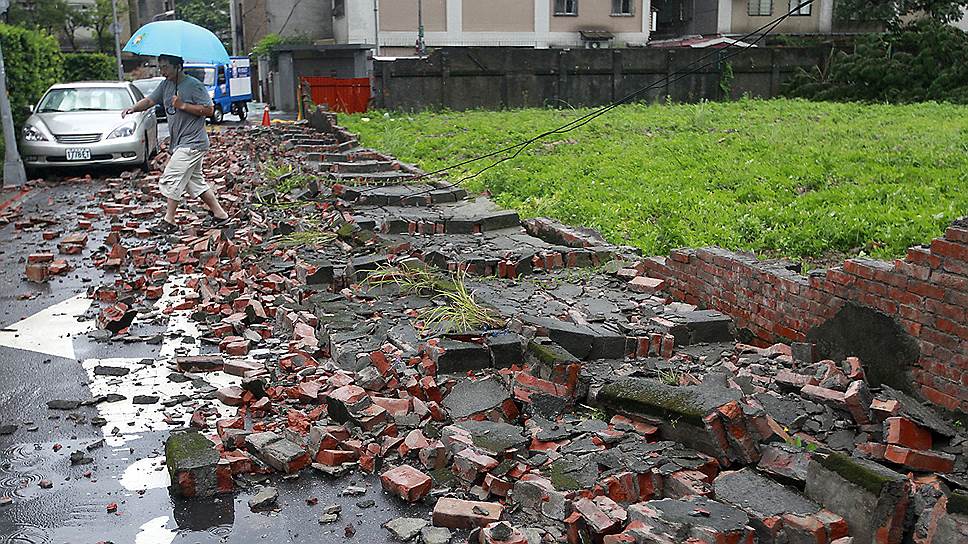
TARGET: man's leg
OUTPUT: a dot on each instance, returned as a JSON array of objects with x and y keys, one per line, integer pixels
[
  {"x": 171, "y": 208},
  {"x": 172, "y": 184},
  {"x": 198, "y": 187},
  {"x": 211, "y": 201}
]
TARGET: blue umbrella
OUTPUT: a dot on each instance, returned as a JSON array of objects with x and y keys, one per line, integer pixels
[{"x": 178, "y": 38}]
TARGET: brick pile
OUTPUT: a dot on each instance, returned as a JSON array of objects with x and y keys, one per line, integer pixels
[
  {"x": 542, "y": 427},
  {"x": 926, "y": 293}
]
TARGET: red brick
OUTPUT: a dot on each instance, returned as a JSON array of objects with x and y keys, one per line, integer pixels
[
  {"x": 461, "y": 514},
  {"x": 928, "y": 461},
  {"x": 642, "y": 284},
  {"x": 804, "y": 529},
  {"x": 407, "y": 483},
  {"x": 40, "y": 257},
  {"x": 902, "y": 431},
  {"x": 949, "y": 249}
]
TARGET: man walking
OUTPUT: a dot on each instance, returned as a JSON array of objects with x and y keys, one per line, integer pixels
[{"x": 187, "y": 103}]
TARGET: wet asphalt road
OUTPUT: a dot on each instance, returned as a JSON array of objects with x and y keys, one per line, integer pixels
[{"x": 127, "y": 466}]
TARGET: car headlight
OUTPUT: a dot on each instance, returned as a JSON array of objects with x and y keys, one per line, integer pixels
[
  {"x": 122, "y": 131},
  {"x": 31, "y": 134}
]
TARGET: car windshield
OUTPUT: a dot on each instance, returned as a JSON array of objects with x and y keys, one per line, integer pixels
[
  {"x": 85, "y": 99},
  {"x": 205, "y": 75},
  {"x": 147, "y": 86}
]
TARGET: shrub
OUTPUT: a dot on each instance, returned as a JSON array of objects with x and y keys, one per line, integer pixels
[
  {"x": 89, "y": 67},
  {"x": 925, "y": 60},
  {"x": 33, "y": 63}
]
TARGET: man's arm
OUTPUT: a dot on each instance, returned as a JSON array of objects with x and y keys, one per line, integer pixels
[
  {"x": 197, "y": 110},
  {"x": 141, "y": 105}
]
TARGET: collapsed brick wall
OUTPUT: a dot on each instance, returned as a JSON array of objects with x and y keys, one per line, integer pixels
[{"x": 926, "y": 293}]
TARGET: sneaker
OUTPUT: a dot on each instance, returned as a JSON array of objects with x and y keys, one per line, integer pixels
[{"x": 163, "y": 227}]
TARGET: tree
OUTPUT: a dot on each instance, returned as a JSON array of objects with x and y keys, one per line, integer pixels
[
  {"x": 46, "y": 15},
  {"x": 891, "y": 11},
  {"x": 75, "y": 19},
  {"x": 213, "y": 15},
  {"x": 101, "y": 19}
]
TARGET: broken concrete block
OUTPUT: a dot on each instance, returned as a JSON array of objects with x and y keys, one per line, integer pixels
[
  {"x": 536, "y": 494},
  {"x": 405, "y": 529},
  {"x": 406, "y": 482},
  {"x": 264, "y": 498},
  {"x": 461, "y": 514},
  {"x": 285, "y": 456},
  {"x": 471, "y": 397},
  {"x": 784, "y": 461},
  {"x": 453, "y": 356},
  {"x": 681, "y": 409},
  {"x": 191, "y": 460},
  {"x": 872, "y": 498},
  {"x": 766, "y": 502},
  {"x": 695, "y": 517},
  {"x": 505, "y": 349}
]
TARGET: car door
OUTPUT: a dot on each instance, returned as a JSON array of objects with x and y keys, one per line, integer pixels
[{"x": 149, "y": 121}]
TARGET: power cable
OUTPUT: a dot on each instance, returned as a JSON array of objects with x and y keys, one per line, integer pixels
[{"x": 760, "y": 32}]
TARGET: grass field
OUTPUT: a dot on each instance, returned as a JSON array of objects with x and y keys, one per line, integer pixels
[{"x": 813, "y": 181}]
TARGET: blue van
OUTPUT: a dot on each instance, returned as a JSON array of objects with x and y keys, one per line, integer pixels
[{"x": 229, "y": 85}]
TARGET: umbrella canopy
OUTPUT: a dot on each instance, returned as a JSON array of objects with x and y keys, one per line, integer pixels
[{"x": 178, "y": 38}]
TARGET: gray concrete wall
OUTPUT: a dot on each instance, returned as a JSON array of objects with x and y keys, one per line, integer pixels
[
  {"x": 298, "y": 17},
  {"x": 466, "y": 78}
]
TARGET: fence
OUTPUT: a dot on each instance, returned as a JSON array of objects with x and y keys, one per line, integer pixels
[{"x": 498, "y": 77}]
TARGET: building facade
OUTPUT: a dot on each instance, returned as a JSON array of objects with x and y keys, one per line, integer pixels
[
  {"x": 676, "y": 18},
  {"x": 393, "y": 24}
]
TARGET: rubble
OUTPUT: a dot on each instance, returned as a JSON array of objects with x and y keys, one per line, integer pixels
[{"x": 574, "y": 404}]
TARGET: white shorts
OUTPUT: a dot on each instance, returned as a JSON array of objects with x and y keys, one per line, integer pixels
[{"x": 183, "y": 173}]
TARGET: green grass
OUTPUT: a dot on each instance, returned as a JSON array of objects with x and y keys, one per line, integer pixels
[{"x": 779, "y": 177}]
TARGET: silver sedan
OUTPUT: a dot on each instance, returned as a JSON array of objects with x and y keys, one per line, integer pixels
[{"x": 80, "y": 124}]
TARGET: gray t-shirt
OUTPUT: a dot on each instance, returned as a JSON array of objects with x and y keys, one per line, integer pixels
[{"x": 186, "y": 130}]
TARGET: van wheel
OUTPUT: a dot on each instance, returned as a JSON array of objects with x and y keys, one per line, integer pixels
[
  {"x": 217, "y": 115},
  {"x": 243, "y": 112}
]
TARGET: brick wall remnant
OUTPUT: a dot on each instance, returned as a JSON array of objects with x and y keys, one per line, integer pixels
[{"x": 925, "y": 295}]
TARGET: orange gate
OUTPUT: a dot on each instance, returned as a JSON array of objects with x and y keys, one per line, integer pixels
[{"x": 349, "y": 95}]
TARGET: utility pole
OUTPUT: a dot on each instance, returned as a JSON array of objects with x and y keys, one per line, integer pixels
[
  {"x": 234, "y": 22},
  {"x": 421, "y": 46},
  {"x": 117, "y": 37},
  {"x": 13, "y": 167}
]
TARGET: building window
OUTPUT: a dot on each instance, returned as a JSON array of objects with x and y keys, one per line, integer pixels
[
  {"x": 566, "y": 7},
  {"x": 762, "y": 8},
  {"x": 804, "y": 10},
  {"x": 623, "y": 7}
]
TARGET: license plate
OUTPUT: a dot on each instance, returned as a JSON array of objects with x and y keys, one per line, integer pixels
[{"x": 79, "y": 154}]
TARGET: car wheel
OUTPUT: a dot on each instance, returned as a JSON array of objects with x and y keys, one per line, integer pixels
[
  {"x": 33, "y": 173},
  {"x": 217, "y": 115}
]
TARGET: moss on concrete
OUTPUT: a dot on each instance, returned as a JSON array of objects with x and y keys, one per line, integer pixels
[
  {"x": 189, "y": 450},
  {"x": 650, "y": 397},
  {"x": 549, "y": 354},
  {"x": 557, "y": 473},
  {"x": 856, "y": 472}
]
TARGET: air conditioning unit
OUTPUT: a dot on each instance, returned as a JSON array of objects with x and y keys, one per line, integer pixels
[{"x": 596, "y": 39}]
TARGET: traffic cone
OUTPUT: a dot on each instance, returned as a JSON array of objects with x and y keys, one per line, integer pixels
[{"x": 265, "y": 117}]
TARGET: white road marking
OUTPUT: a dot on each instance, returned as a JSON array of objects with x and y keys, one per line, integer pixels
[
  {"x": 155, "y": 532},
  {"x": 52, "y": 330},
  {"x": 144, "y": 474}
]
